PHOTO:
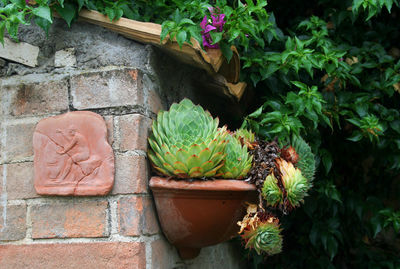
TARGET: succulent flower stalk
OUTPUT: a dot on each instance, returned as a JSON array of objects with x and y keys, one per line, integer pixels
[{"x": 186, "y": 142}]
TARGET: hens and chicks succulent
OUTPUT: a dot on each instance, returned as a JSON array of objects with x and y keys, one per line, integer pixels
[{"x": 186, "y": 143}]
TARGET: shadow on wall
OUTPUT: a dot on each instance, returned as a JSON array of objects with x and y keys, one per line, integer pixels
[{"x": 178, "y": 80}]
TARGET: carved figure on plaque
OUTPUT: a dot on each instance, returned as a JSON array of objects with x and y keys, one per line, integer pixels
[{"x": 72, "y": 155}]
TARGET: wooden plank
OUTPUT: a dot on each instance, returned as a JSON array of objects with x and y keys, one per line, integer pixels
[
  {"x": 237, "y": 89},
  {"x": 21, "y": 52},
  {"x": 145, "y": 32},
  {"x": 211, "y": 60}
]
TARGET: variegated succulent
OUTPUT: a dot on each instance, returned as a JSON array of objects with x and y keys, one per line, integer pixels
[
  {"x": 238, "y": 161},
  {"x": 186, "y": 142}
]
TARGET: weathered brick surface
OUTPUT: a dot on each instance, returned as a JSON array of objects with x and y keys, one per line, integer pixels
[
  {"x": 1, "y": 178},
  {"x": 110, "y": 129},
  {"x": 154, "y": 101},
  {"x": 108, "y": 255},
  {"x": 17, "y": 137},
  {"x": 137, "y": 216},
  {"x": 107, "y": 89},
  {"x": 35, "y": 98},
  {"x": 70, "y": 219},
  {"x": 163, "y": 254},
  {"x": 131, "y": 174},
  {"x": 15, "y": 223},
  {"x": 20, "y": 181},
  {"x": 133, "y": 131}
]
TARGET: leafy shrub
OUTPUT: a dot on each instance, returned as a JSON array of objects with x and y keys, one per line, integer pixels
[{"x": 328, "y": 71}]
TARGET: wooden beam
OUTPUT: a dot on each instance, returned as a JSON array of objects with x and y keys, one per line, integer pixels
[{"x": 211, "y": 60}]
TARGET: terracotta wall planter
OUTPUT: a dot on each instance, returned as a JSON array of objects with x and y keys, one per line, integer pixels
[{"x": 200, "y": 213}]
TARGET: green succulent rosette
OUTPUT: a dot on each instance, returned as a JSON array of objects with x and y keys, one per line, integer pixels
[
  {"x": 186, "y": 142},
  {"x": 246, "y": 135},
  {"x": 271, "y": 192},
  {"x": 238, "y": 160},
  {"x": 295, "y": 184},
  {"x": 265, "y": 238}
]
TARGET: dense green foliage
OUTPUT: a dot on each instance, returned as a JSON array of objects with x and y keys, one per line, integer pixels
[
  {"x": 333, "y": 79},
  {"x": 328, "y": 71}
]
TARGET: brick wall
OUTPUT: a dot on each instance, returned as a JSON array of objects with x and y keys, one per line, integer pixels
[{"x": 119, "y": 230}]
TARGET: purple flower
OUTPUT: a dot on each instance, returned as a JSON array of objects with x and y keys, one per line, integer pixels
[
  {"x": 207, "y": 42},
  {"x": 216, "y": 25},
  {"x": 218, "y": 21},
  {"x": 204, "y": 22},
  {"x": 27, "y": 2}
]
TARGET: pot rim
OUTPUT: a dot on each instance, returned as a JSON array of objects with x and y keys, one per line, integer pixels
[{"x": 157, "y": 182}]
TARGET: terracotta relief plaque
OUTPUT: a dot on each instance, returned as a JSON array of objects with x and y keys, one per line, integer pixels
[{"x": 72, "y": 155}]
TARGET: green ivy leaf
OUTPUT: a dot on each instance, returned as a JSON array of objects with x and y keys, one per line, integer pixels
[
  {"x": 118, "y": 13},
  {"x": 256, "y": 113},
  {"x": 12, "y": 29},
  {"x": 110, "y": 13},
  {"x": 357, "y": 136},
  {"x": 43, "y": 12},
  {"x": 226, "y": 50},
  {"x": 181, "y": 37},
  {"x": 331, "y": 247},
  {"x": 68, "y": 13},
  {"x": 216, "y": 36},
  {"x": 61, "y": 2},
  {"x": 2, "y": 27},
  {"x": 326, "y": 160},
  {"x": 44, "y": 24},
  {"x": 186, "y": 21},
  {"x": 299, "y": 85},
  {"x": 80, "y": 4},
  {"x": 376, "y": 225}
]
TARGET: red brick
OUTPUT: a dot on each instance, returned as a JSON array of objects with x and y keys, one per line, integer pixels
[
  {"x": 70, "y": 219},
  {"x": 154, "y": 101},
  {"x": 137, "y": 216},
  {"x": 36, "y": 98},
  {"x": 131, "y": 174},
  {"x": 15, "y": 224},
  {"x": 20, "y": 181},
  {"x": 108, "y": 255},
  {"x": 162, "y": 254},
  {"x": 107, "y": 89},
  {"x": 18, "y": 140},
  {"x": 110, "y": 129},
  {"x": 1, "y": 179},
  {"x": 133, "y": 131}
]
